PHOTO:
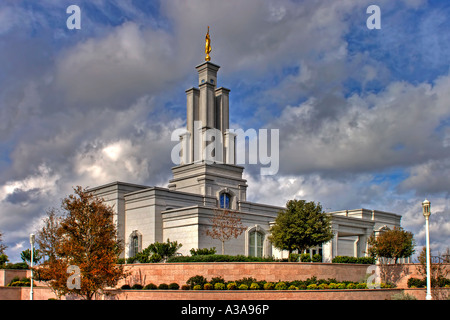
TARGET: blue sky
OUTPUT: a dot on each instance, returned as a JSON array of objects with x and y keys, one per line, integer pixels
[{"x": 364, "y": 115}]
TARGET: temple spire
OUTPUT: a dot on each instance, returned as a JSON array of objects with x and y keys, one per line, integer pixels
[{"x": 207, "y": 46}]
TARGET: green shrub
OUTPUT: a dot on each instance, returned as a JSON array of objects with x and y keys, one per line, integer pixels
[
  {"x": 174, "y": 286},
  {"x": 125, "y": 287},
  {"x": 218, "y": 258},
  {"x": 317, "y": 258},
  {"x": 15, "y": 266},
  {"x": 254, "y": 286},
  {"x": 292, "y": 287},
  {"x": 417, "y": 283},
  {"x": 18, "y": 284},
  {"x": 351, "y": 286},
  {"x": 132, "y": 260},
  {"x": 312, "y": 286},
  {"x": 203, "y": 251},
  {"x": 441, "y": 282},
  {"x": 344, "y": 259},
  {"x": 137, "y": 286},
  {"x": 231, "y": 286},
  {"x": 348, "y": 259},
  {"x": 196, "y": 280},
  {"x": 208, "y": 286},
  {"x": 341, "y": 285},
  {"x": 366, "y": 260},
  {"x": 332, "y": 286},
  {"x": 217, "y": 280},
  {"x": 185, "y": 287},
  {"x": 305, "y": 257},
  {"x": 219, "y": 286},
  {"x": 281, "y": 286},
  {"x": 151, "y": 286},
  {"x": 163, "y": 286},
  {"x": 155, "y": 258},
  {"x": 197, "y": 287},
  {"x": 361, "y": 285},
  {"x": 311, "y": 280},
  {"x": 331, "y": 280},
  {"x": 243, "y": 287},
  {"x": 323, "y": 286},
  {"x": 15, "y": 279},
  {"x": 294, "y": 257},
  {"x": 247, "y": 281},
  {"x": 269, "y": 286}
]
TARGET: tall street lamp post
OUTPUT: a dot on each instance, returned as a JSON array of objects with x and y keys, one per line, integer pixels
[
  {"x": 32, "y": 258},
  {"x": 426, "y": 213}
]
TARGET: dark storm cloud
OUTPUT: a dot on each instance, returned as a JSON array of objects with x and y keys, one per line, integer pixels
[{"x": 19, "y": 196}]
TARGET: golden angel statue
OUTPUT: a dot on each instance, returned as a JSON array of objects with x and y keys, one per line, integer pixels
[{"x": 207, "y": 46}]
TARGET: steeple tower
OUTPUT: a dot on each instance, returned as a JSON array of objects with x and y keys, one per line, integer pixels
[
  {"x": 207, "y": 137},
  {"x": 207, "y": 147}
]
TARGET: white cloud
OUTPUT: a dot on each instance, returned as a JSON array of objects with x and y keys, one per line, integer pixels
[
  {"x": 42, "y": 181},
  {"x": 116, "y": 70},
  {"x": 397, "y": 127}
]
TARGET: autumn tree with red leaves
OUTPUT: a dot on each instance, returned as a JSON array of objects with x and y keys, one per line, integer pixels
[
  {"x": 392, "y": 244},
  {"x": 84, "y": 237},
  {"x": 226, "y": 224}
]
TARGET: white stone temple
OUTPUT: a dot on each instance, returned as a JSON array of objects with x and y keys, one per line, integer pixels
[{"x": 182, "y": 211}]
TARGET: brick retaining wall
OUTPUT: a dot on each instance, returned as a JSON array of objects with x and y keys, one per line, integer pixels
[
  {"x": 158, "y": 273},
  {"x": 41, "y": 293},
  {"x": 6, "y": 275}
]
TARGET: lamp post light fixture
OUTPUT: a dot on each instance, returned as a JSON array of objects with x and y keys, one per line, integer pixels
[
  {"x": 31, "y": 263},
  {"x": 426, "y": 205}
]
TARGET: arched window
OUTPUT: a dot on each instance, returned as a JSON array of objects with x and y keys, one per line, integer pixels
[
  {"x": 256, "y": 241},
  {"x": 224, "y": 200},
  {"x": 135, "y": 246}
]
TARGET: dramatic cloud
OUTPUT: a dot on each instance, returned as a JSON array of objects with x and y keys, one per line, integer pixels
[{"x": 399, "y": 126}]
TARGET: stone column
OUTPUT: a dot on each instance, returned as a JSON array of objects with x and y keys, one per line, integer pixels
[
  {"x": 363, "y": 243},
  {"x": 329, "y": 249},
  {"x": 230, "y": 147},
  {"x": 222, "y": 109},
  {"x": 192, "y": 102},
  {"x": 334, "y": 246}
]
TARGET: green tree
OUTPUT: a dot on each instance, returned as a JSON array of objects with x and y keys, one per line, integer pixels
[
  {"x": 158, "y": 251},
  {"x": 392, "y": 244},
  {"x": 300, "y": 226},
  {"x": 3, "y": 259},
  {"x": 26, "y": 256}
]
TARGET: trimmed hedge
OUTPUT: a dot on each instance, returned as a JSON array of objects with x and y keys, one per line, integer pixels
[
  {"x": 15, "y": 266},
  {"x": 17, "y": 282},
  {"x": 348, "y": 259},
  {"x": 218, "y": 258},
  {"x": 151, "y": 286},
  {"x": 205, "y": 255},
  {"x": 163, "y": 286},
  {"x": 199, "y": 282},
  {"x": 174, "y": 286},
  {"x": 202, "y": 252},
  {"x": 422, "y": 283}
]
